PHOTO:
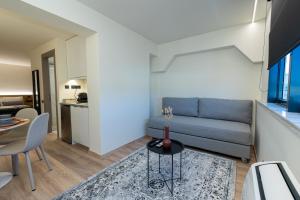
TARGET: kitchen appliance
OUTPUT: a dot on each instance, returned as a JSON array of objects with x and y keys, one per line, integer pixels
[
  {"x": 66, "y": 128},
  {"x": 270, "y": 180},
  {"x": 82, "y": 97}
]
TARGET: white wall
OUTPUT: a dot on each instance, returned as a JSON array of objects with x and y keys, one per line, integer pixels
[
  {"x": 248, "y": 38},
  {"x": 120, "y": 74},
  {"x": 265, "y": 71},
  {"x": 15, "y": 80},
  {"x": 124, "y": 87},
  {"x": 221, "y": 73},
  {"x": 15, "y": 72},
  {"x": 14, "y": 57},
  {"x": 93, "y": 82},
  {"x": 276, "y": 140}
]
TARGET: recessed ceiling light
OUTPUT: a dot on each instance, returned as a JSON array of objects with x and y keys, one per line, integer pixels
[
  {"x": 14, "y": 62},
  {"x": 15, "y": 93},
  {"x": 254, "y": 11}
]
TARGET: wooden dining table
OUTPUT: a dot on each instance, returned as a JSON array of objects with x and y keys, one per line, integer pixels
[{"x": 5, "y": 177}]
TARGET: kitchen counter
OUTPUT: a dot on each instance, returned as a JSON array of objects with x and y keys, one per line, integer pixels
[
  {"x": 74, "y": 103},
  {"x": 75, "y": 122},
  {"x": 289, "y": 118}
]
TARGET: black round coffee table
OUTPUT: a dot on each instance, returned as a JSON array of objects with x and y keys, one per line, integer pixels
[{"x": 176, "y": 147}]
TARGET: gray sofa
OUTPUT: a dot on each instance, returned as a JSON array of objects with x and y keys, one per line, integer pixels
[{"x": 218, "y": 125}]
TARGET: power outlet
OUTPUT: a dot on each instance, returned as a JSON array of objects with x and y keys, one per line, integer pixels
[{"x": 75, "y": 86}]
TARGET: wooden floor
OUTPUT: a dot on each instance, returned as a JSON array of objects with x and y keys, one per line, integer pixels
[{"x": 71, "y": 165}]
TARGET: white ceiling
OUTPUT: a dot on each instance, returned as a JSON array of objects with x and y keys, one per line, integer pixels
[
  {"x": 168, "y": 20},
  {"x": 20, "y": 34}
]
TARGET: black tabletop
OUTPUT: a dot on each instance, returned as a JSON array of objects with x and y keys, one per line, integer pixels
[{"x": 176, "y": 147}]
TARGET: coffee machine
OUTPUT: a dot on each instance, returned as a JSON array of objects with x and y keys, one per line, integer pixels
[{"x": 82, "y": 97}]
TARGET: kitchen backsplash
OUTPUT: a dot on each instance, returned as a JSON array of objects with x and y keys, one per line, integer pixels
[{"x": 70, "y": 93}]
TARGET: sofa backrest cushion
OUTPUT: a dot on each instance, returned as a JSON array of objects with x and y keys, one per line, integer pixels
[
  {"x": 182, "y": 106},
  {"x": 225, "y": 109}
]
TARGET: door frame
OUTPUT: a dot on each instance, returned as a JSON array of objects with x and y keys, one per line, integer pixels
[{"x": 46, "y": 87}]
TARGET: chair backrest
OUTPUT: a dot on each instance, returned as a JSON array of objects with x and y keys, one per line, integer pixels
[
  {"x": 37, "y": 132},
  {"x": 27, "y": 113}
]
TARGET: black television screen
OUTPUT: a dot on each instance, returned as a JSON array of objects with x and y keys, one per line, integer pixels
[{"x": 285, "y": 29}]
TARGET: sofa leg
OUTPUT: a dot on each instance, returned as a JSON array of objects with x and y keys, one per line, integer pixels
[{"x": 245, "y": 160}]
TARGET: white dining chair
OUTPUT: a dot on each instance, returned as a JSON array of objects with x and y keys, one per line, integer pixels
[
  {"x": 36, "y": 134},
  {"x": 21, "y": 132}
]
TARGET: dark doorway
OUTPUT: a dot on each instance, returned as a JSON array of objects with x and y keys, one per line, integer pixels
[{"x": 36, "y": 91}]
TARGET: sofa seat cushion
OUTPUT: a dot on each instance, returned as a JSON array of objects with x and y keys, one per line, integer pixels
[{"x": 222, "y": 130}]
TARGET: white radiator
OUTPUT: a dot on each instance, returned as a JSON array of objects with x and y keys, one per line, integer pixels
[{"x": 270, "y": 181}]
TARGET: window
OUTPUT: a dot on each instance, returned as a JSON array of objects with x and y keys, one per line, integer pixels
[
  {"x": 279, "y": 81},
  {"x": 284, "y": 81},
  {"x": 286, "y": 77}
]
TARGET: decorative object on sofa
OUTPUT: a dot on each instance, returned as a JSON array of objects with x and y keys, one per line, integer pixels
[
  {"x": 168, "y": 114},
  {"x": 219, "y": 125},
  {"x": 206, "y": 177}
]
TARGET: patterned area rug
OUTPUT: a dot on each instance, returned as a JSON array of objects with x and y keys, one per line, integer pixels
[{"x": 204, "y": 176}]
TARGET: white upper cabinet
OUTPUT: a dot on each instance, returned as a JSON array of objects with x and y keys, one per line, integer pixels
[{"x": 76, "y": 57}]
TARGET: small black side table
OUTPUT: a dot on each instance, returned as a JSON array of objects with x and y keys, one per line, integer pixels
[{"x": 176, "y": 147}]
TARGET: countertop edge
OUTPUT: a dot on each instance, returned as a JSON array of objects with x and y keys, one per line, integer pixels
[
  {"x": 276, "y": 114},
  {"x": 74, "y": 104}
]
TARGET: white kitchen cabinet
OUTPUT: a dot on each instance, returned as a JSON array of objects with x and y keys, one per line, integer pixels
[
  {"x": 76, "y": 57},
  {"x": 80, "y": 125}
]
